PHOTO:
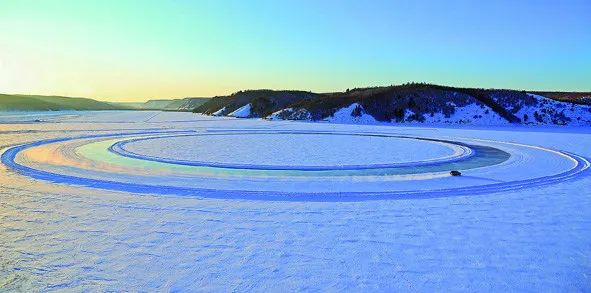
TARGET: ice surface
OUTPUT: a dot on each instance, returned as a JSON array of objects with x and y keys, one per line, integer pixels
[
  {"x": 65, "y": 237},
  {"x": 290, "y": 149}
]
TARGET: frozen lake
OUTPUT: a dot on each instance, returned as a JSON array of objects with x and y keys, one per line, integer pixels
[{"x": 158, "y": 201}]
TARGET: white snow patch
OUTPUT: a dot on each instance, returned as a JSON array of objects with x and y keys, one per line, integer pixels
[
  {"x": 290, "y": 114},
  {"x": 471, "y": 114},
  {"x": 242, "y": 112},
  {"x": 345, "y": 116},
  {"x": 219, "y": 112},
  {"x": 277, "y": 114}
]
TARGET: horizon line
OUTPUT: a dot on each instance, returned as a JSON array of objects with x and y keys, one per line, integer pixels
[{"x": 105, "y": 99}]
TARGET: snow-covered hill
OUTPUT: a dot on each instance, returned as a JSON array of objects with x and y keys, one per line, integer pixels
[
  {"x": 411, "y": 103},
  {"x": 542, "y": 110},
  {"x": 185, "y": 104},
  {"x": 356, "y": 114}
]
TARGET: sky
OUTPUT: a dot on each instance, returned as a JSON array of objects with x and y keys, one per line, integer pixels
[{"x": 121, "y": 50}]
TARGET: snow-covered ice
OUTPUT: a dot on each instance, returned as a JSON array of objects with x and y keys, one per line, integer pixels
[{"x": 170, "y": 234}]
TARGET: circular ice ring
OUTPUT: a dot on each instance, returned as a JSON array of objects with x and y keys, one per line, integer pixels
[
  {"x": 465, "y": 152},
  {"x": 581, "y": 166}
]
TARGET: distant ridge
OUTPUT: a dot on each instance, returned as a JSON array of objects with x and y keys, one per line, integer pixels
[
  {"x": 53, "y": 103},
  {"x": 184, "y": 104},
  {"x": 263, "y": 102},
  {"x": 56, "y": 103}
]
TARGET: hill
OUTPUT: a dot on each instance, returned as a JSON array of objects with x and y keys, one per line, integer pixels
[
  {"x": 409, "y": 103},
  {"x": 55, "y": 103},
  {"x": 185, "y": 104},
  {"x": 52, "y": 103},
  {"x": 260, "y": 103}
]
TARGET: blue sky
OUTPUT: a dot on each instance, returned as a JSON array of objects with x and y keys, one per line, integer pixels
[{"x": 134, "y": 50}]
